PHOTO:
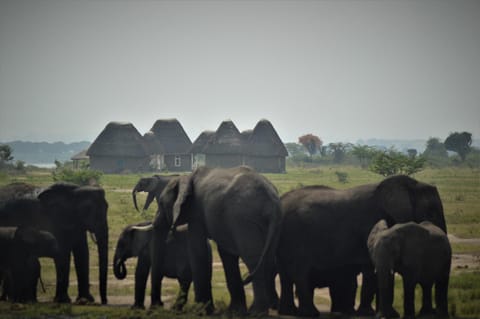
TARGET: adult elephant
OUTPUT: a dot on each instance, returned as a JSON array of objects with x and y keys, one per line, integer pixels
[
  {"x": 153, "y": 185},
  {"x": 68, "y": 211},
  {"x": 237, "y": 208},
  {"x": 324, "y": 234},
  {"x": 421, "y": 253}
]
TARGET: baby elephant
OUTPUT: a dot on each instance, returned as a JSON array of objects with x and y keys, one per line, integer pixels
[
  {"x": 421, "y": 253},
  {"x": 20, "y": 248},
  {"x": 134, "y": 241}
]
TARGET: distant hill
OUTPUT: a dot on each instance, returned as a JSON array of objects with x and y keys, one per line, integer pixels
[{"x": 44, "y": 152}]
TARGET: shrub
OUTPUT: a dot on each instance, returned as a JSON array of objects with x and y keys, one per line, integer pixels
[
  {"x": 393, "y": 162},
  {"x": 79, "y": 177}
]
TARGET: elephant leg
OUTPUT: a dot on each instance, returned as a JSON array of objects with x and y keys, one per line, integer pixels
[
  {"x": 33, "y": 276},
  {"x": 286, "y": 305},
  {"x": 62, "y": 266},
  {"x": 427, "y": 308},
  {"x": 238, "y": 304},
  {"x": 200, "y": 262},
  {"x": 409, "y": 296},
  {"x": 441, "y": 295},
  {"x": 367, "y": 292},
  {"x": 82, "y": 268},
  {"x": 305, "y": 289},
  {"x": 182, "y": 296},
  {"x": 343, "y": 294},
  {"x": 385, "y": 296},
  {"x": 141, "y": 277}
]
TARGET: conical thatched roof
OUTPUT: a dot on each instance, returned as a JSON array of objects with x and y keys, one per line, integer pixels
[
  {"x": 201, "y": 141},
  {"x": 168, "y": 137},
  {"x": 226, "y": 140},
  {"x": 264, "y": 141},
  {"x": 119, "y": 139}
]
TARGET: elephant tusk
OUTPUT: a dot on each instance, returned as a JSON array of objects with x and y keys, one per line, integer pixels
[
  {"x": 144, "y": 228},
  {"x": 181, "y": 228}
]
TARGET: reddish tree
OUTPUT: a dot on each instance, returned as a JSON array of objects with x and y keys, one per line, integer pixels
[{"x": 312, "y": 143}]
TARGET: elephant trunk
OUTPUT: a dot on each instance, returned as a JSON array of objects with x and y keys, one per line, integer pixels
[
  {"x": 134, "y": 196},
  {"x": 119, "y": 268},
  {"x": 102, "y": 244}
]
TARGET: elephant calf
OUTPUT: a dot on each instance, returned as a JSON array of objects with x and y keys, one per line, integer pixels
[
  {"x": 421, "y": 253},
  {"x": 20, "y": 248},
  {"x": 134, "y": 241}
]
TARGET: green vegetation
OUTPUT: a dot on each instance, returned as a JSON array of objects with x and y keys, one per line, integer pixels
[
  {"x": 83, "y": 176},
  {"x": 459, "y": 188}
]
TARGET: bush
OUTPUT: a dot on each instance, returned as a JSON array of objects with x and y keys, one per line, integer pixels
[
  {"x": 393, "y": 162},
  {"x": 79, "y": 177}
]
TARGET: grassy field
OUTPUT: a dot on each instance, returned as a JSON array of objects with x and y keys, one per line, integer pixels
[{"x": 459, "y": 189}]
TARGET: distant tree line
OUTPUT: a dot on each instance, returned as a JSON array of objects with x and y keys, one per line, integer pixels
[{"x": 310, "y": 150}]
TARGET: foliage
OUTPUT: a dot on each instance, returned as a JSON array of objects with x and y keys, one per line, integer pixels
[
  {"x": 436, "y": 153},
  {"x": 80, "y": 176},
  {"x": 312, "y": 143},
  {"x": 339, "y": 151},
  {"x": 364, "y": 153},
  {"x": 392, "y": 162},
  {"x": 5, "y": 154},
  {"x": 342, "y": 177},
  {"x": 459, "y": 143}
]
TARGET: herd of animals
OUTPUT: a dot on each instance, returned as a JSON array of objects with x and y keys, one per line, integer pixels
[{"x": 314, "y": 236}]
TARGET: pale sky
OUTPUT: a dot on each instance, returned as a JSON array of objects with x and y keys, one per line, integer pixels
[{"x": 342, "y": 70}]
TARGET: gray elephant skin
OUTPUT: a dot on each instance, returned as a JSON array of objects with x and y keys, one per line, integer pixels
[
  {"x": 323, "y": 238},
  {"x": 135, "y": 241},
  {"x": 238, "y": 209},
  {"x": 421, "y": 253},
  {"x": 20, "y": 248},
  {"x": 67, "y": 211},
  {"x": 153, "y": 185}
]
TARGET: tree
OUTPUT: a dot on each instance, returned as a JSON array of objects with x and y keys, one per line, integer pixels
[
  {"x": 312, "y": 143},
  {"x": 392, "y": 162},
  {"x": 460, "y": 143},
  {"x": 339, "y": 150},
  {"x": 5, "y": 154},
  {"x": 364, "y": 153},
  {"x": 435, "y": 148}
]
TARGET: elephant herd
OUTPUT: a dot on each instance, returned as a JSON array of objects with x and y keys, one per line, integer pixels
[{"x": 314, "y": 236}]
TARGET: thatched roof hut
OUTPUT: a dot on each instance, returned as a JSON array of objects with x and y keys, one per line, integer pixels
[
  {"x": 169, "y": 145},
  {"x": 226, "y": 140},
  {"x": 202, "y": 140},
  {"x": 264, "y": 141},
  {"x": 119, "y": 147},
  {"x": 119, "y": 139},
  {"x": 167, "y": 136}
]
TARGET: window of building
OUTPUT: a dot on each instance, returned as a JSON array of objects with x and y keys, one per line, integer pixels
[{"x": 178, "y": 161}]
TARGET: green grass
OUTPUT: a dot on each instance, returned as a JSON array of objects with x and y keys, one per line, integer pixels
[{"x": 459, "y": 189}]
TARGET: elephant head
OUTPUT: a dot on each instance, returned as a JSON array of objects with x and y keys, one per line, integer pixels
[
  {"x": 84, "y": 208},
  {"x": 37, "y": 242},
  {"x": 132, "y": 241},
  {"x": 402, "y": 199},
  {"x": 153, "y": 185}
]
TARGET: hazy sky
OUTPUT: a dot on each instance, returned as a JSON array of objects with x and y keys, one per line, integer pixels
[{"x": 343, "y": 70}]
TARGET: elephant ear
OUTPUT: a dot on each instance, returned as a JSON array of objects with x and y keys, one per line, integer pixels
[
  {"x": 375, "y": 234},
  {"x": 185, "y": 190},
  {"x": 26, "y": 235},
  {"x": 141, "y": 236},
  {"x": 396, "y": 199}
]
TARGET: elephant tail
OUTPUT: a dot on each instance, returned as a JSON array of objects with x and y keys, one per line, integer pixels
[{"x": 270, "y": 243}]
